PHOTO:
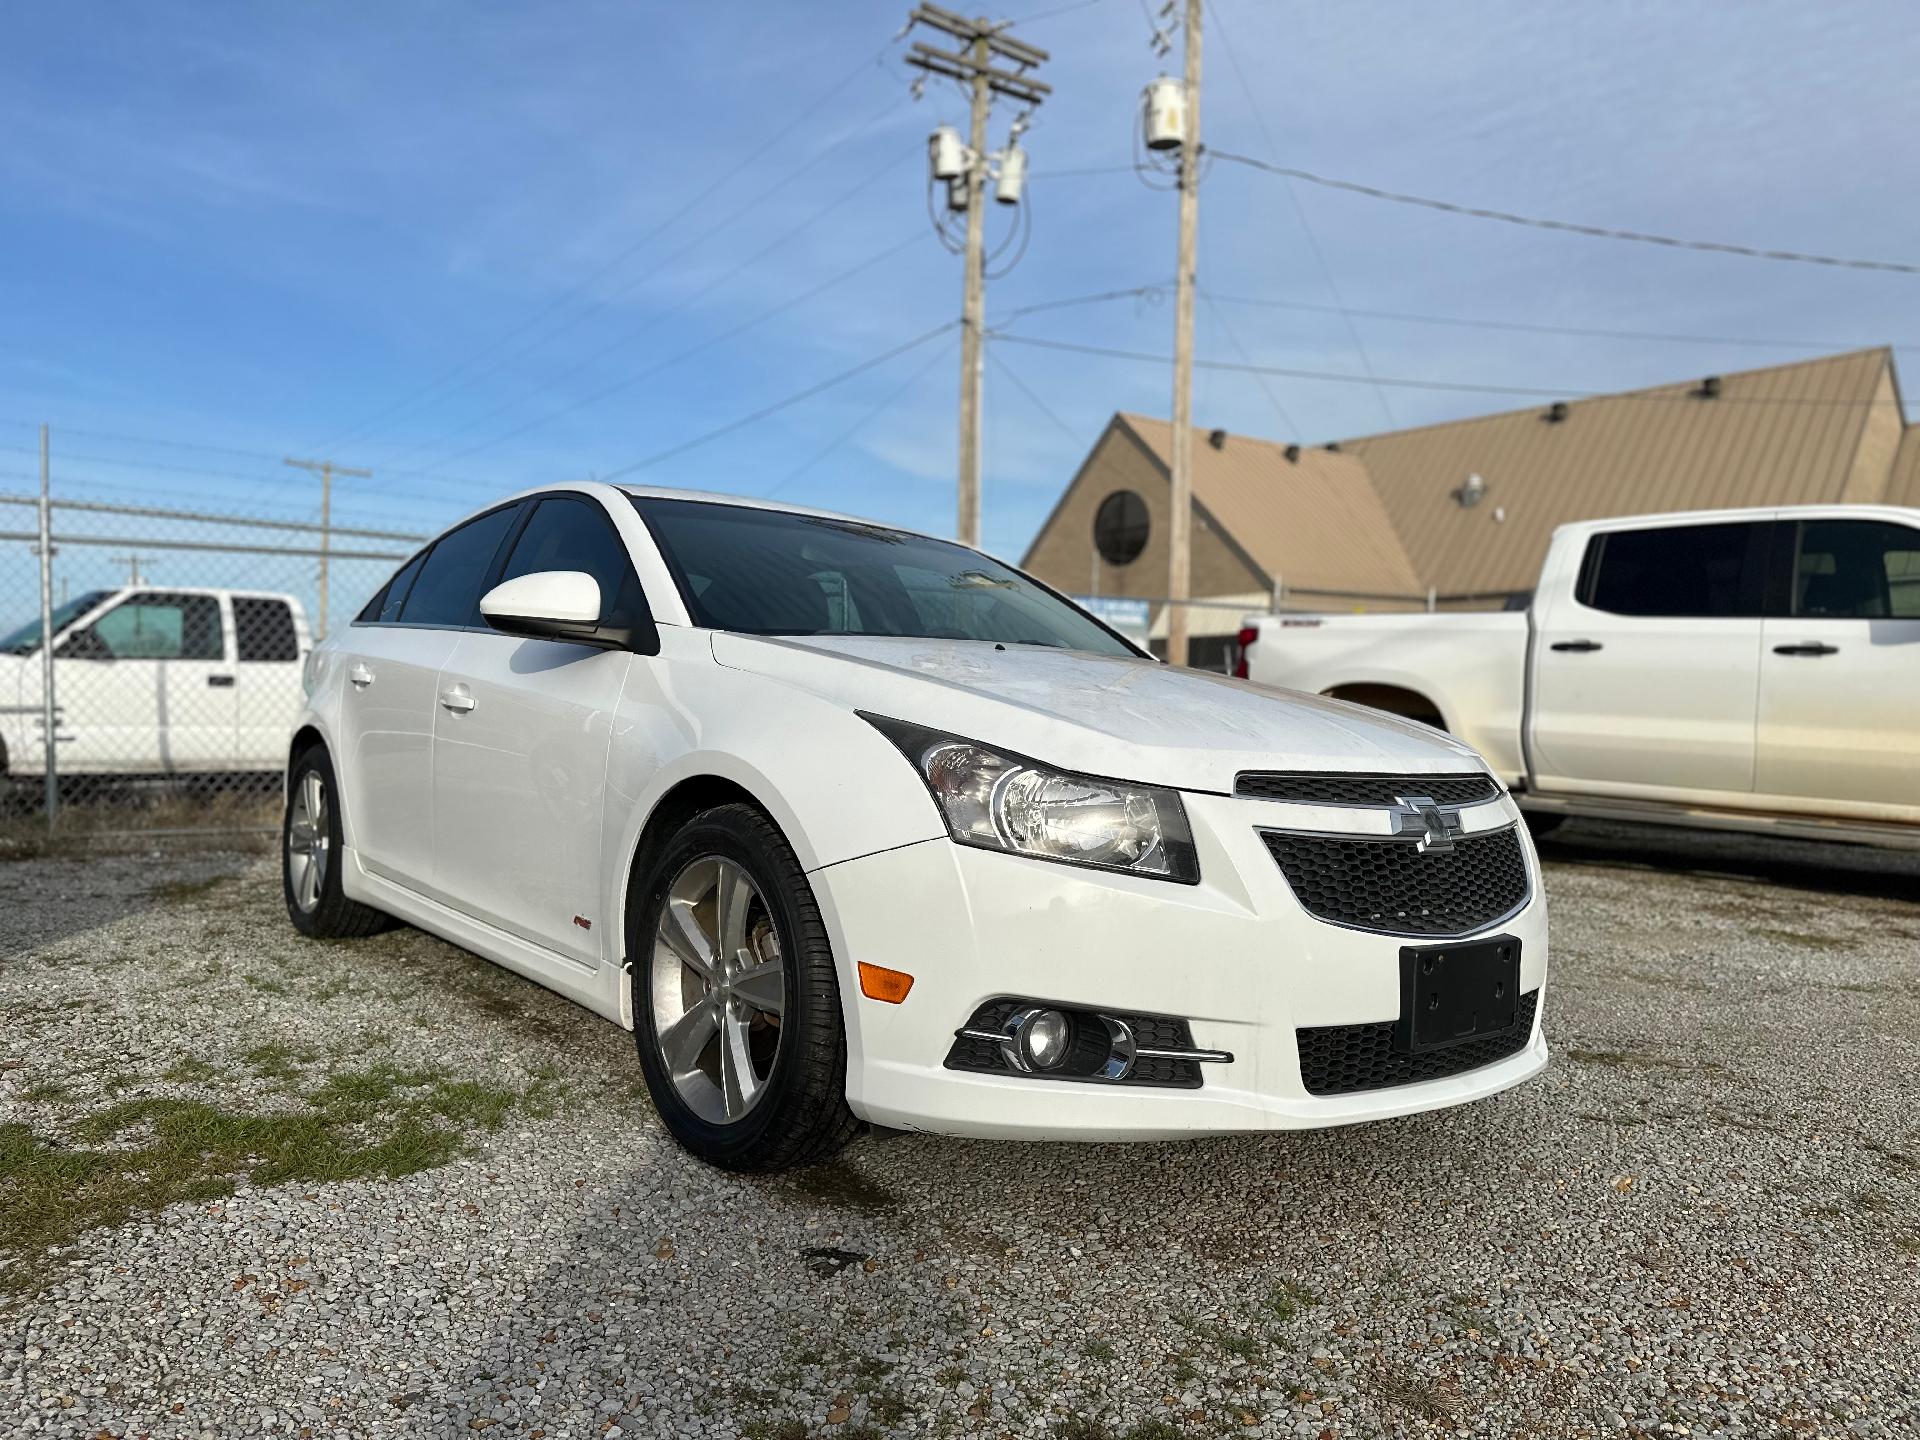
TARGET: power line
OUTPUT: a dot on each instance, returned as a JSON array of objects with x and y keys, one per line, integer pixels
[
  {"x": 603, "y": 393},
  {"x": 1577, "y": 331},
  {"x": 1027, "y": 390},
  {"x": 1462, "y": 386},
  {"x": 766, "y": 410},
  {"x": 567, "y": 297},
  {"x": 1300, "y": 212},
  {"x": 679, "y": 307},
  {"x": 1599, "y": 232},
  {"x": 1279, "y": 409},
  {"x": 873, "y": 414},
  {"x": 1154, "y": 292}
]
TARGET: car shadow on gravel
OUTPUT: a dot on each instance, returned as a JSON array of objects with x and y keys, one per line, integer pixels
[
  {"x": 1825, "y": 868},
  {"x": 49, "y": 899}
]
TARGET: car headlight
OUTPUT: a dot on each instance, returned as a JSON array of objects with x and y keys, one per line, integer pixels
[{"x": 1001, "y": 801}]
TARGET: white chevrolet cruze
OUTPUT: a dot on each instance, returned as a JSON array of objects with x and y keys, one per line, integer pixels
[{"x": 851, "y": 824}]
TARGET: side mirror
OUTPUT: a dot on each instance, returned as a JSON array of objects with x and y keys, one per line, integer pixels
[{"x": 549, "y": 605}]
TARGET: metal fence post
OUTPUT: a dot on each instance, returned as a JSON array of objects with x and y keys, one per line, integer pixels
[{"x": 47, "y": 707}]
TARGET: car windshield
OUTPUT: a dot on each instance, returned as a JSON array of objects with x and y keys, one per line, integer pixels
[
  {"x": 772, "y": 572},
  {"x": 26, "y": 639}
]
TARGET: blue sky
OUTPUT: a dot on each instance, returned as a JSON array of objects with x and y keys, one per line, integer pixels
[{"x": 259, "y": 228}]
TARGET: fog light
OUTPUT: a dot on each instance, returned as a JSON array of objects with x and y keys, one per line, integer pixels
[{"x": 1037, "y": 1039}]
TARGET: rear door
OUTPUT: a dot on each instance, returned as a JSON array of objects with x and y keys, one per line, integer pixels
[
  {"x": 147, "y": 687},
  {"x": 393, "y": 658},
  {"x": 520, "y": 747},
  {"x": 266, "y": 688},
  {"x": 1839, "y": 712},
  {"x": 1644, "y": 678}
]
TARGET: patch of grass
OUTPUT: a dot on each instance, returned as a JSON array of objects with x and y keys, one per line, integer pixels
[
  {"x": 179, "y": 892},
  {"x": 1154, "y": 1430},
  {"x": 192, "y": 1071},
  {"x": 276, "y": 1062},
  {"x": 1411, "y": 1395},
  {"x": 1800, "y": 940},
  {"x": 1099, "y": 1350},
  {"x": 266, "y": 985},
  {"x": 1286, "y": 1300},
  {"x": 44, "y": 1092},
  {"x": 950, "y": 1374},
  {"x": 153, "y": 1152}
]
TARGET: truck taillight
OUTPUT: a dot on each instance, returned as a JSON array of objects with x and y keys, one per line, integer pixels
[{"x": 1243, "y": 643}]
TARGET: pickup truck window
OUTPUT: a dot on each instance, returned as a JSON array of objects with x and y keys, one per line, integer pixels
[
  {"x": 26, "y": 639},
  {"x": 263, "y": 631},
  {"x": 1690, "y": 571},
  {"x": 153, "y": 626},
  {"x": 1857, "y": 570}
]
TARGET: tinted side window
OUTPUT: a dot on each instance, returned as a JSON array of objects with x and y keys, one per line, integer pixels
[
  {"x": 1857, "y": 570},
  {"x": 568, "y": 534},
  {"x": 1679, "y": 571},
  {"x": 447, "y": 589},
  {"x": 157, "y": 626},
  {"x": 263, "y": 630},
  {"x": 385, "y": 607}
]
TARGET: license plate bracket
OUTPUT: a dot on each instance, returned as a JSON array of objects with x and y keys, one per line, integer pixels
[{"x": 1452, "y": 994}]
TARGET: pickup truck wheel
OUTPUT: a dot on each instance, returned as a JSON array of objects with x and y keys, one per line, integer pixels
[
  {"x": 310, "y": 851},
  {"x": 736, "y": 1006}
]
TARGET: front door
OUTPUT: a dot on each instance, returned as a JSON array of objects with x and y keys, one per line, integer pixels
[
  {"x": 146, "y": 687},
  {"x": 1644, "y": 679},
  {"x": 1839, "y": 714},
  {"x": 520, "y": 751}
]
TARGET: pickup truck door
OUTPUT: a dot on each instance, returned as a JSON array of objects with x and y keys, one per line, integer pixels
[
  {"x": 267, "y": 691},
  {"x": 146, "y": 687},
  {"x": 1839, "y": 716},
  {"x": 1645, "y": 669}
]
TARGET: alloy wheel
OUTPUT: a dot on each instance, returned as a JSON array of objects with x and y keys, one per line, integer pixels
[
  {"x": 719, "y": 989},
  {"x": 307, "y": 841}
]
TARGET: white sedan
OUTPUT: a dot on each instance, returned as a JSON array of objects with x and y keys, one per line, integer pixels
[{"x": 849, "y": 824}]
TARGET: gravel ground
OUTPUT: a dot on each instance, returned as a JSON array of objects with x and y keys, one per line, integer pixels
[{"x": 407, "y": 1194}]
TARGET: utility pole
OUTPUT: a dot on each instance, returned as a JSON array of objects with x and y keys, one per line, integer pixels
[
  {"x": 326, "y": 470},
  {"x": 966, "y": 175},
  {"x": 49, "y": 711},
  {"x": 132, "y": 562},
  {"x": 1180, "y": 525}
]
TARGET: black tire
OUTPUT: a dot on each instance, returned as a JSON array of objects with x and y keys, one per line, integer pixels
[
  {"x": 802, "y": 1117},
  {"x": 332, "y": 916}
]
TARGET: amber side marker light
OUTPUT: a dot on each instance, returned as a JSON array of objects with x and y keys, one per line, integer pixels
[{"x": 879, "y": 983}]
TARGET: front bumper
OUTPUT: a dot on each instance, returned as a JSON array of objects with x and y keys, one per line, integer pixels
[{"x": 1235, "y": 955}]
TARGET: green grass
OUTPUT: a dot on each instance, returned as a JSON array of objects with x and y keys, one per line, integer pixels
[
  {"x": 139, "y": 1156},
  {"x": 1099, "y": 1350},
  {"x": 43, "y": 1092},
  {"x": 1286, "y": 1300},
  {"x": 191, "y": 1071}
]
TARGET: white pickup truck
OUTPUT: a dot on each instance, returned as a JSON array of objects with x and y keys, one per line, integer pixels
[
  {"x": 157, "y": 681},
  {"x": 1739, "y": 669}
]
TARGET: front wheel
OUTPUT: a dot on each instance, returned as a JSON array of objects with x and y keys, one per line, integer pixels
[
  {"x": 736, "y": 1007},
  {"x": 310, "y": 851}
]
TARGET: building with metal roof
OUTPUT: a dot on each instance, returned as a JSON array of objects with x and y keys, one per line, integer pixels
[{"x": 1459, "y": 514}]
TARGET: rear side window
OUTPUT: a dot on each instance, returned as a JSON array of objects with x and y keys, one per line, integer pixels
[
  {"x": 384, "y": 608},
  {"x": 447, "y": 589},
  {"x": 154, "y": 626},
  {"x": 263, "y": 631},
  {"x": 568, "y": 534},
  {"x": 1678, "y": 571},
  {"x": 1857, "y": 570}
]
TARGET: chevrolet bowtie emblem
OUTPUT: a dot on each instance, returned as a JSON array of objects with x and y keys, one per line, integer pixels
[{"x": 1437, "y": 828}]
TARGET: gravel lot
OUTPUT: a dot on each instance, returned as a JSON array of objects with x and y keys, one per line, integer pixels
[{"x": 407, "y": 1193}]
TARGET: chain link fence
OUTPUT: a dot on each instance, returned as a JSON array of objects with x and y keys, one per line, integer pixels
[{"x": 179, "y": 640}]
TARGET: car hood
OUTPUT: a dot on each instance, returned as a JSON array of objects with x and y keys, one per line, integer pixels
[{"x": 1132, "y": 719}]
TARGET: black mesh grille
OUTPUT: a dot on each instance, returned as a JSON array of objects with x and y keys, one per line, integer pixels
[
  {"x": 1150, "y": 1031},
  {"x": 1382, "y": 790},
  {"x": 1344, "y": 1059},
  {"x": 1392, "y": 887}
]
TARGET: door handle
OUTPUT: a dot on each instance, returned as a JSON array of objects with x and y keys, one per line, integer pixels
[
  {"x": 1815, "y": 648},
  {"x": 459, "y": 699},
  {"x": 1575, "y": 647},
  {"x": 220, "y": 682},
  {"x": 360, "y": 675}
]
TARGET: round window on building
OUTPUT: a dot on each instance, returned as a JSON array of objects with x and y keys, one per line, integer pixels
[{"x": 1120, "y": 527}]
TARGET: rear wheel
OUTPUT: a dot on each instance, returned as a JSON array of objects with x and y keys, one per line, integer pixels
[
  {"x": 310, "y": 853},
  {"x": 735, "y": 1002}
]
